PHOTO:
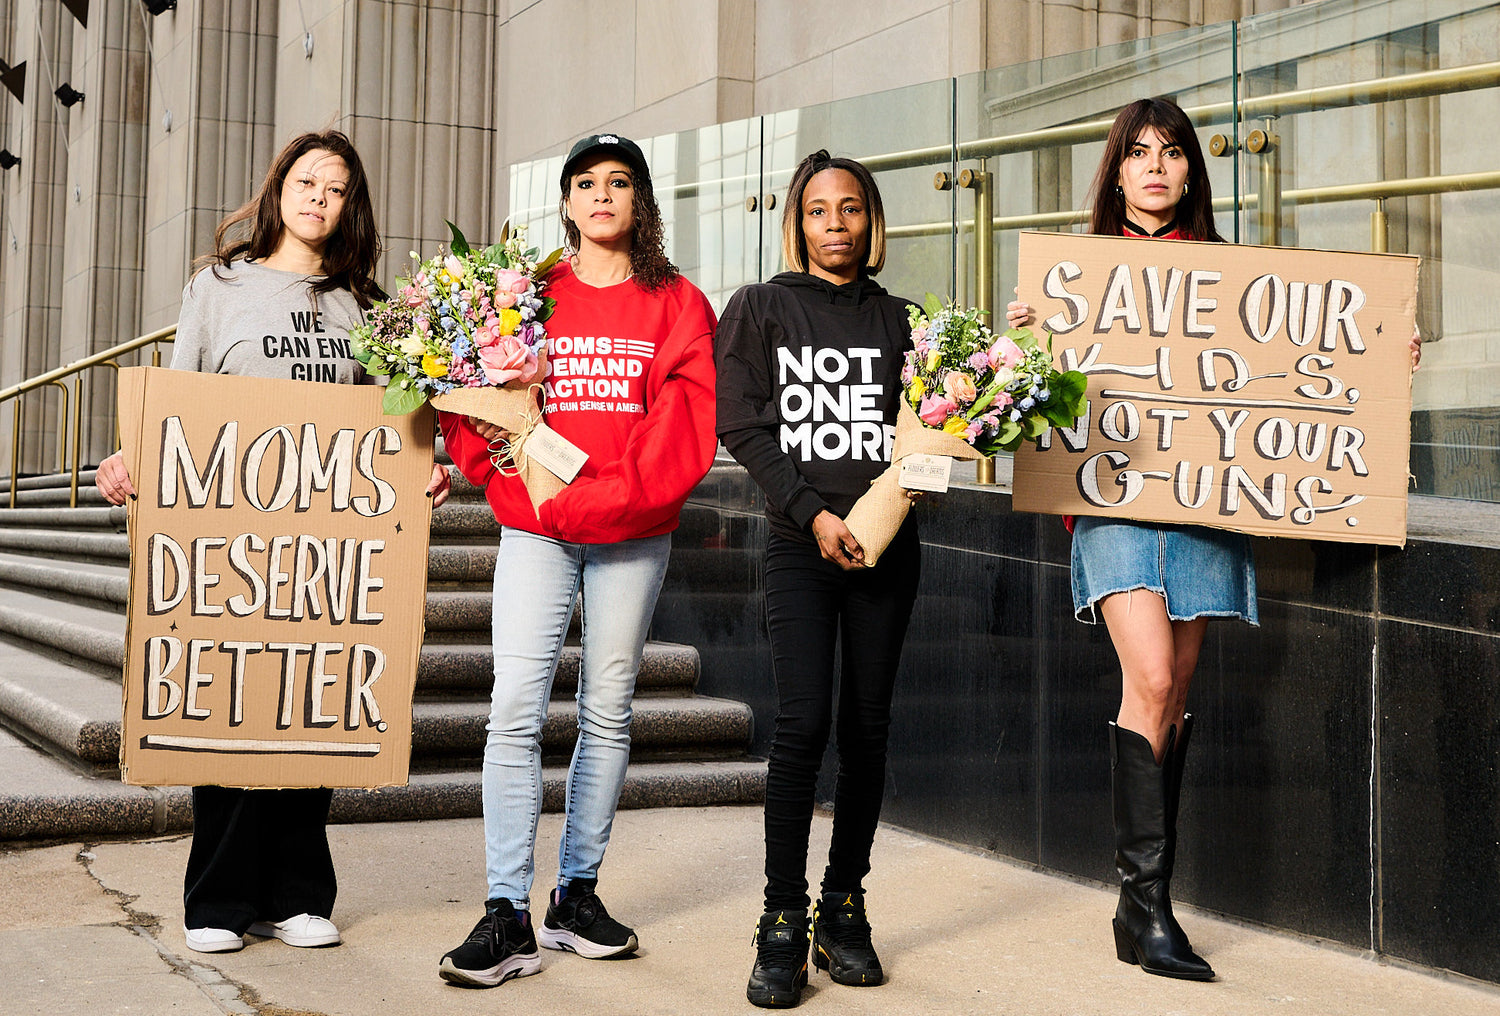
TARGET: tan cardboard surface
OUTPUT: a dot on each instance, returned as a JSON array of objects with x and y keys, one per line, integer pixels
[
  {"x": 1260, "y": 389},
  {"x": 278, "y": 579}
]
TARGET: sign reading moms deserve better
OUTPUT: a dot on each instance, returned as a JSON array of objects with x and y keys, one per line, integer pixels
[
  {"x": 278, "y": 575},
  {"x": 1261, "y": 389}
]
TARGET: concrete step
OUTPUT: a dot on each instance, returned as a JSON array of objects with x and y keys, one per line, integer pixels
[
  {"x": 76, "y": 711},
  {"x": 44, "y": 797},
  {"x": 103, "y": 518}
]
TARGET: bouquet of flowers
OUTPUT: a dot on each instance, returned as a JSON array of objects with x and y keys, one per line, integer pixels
[
  {"x": 465, "y": 332},
  {"x": 967, "y": 394}
]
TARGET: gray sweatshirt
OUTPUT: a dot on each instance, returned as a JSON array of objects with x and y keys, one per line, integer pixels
[{"x": 261, "y": 322}]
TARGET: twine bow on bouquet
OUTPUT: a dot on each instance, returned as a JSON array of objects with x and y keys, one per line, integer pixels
[
  {"x": 966, "y": 393},
  {"x": 465, "y": 332}
]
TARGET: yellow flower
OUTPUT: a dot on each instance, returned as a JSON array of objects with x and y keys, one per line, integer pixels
[
  {"x": 918, "y": 388},
  {"x": 510, "y": 320},
  {"x": 956, "y": 425},
  {"x": 933, "y": 359},
  {"x": 434, "y": 367}
]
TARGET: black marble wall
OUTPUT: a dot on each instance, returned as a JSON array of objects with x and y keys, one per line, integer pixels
[{"x": 1343, "y": 779}]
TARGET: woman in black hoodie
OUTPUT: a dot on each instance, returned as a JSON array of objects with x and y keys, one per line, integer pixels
[{"x": 809, "y": 371}]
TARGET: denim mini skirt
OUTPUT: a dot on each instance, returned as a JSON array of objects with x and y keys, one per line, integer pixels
[{"x": 1200, "y": 572}]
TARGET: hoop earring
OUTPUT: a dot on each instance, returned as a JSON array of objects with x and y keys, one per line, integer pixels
[{"x": 1184, "y": 189}]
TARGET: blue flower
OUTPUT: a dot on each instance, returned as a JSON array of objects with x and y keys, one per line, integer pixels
[
  {"x": 1015, "y": 416},
  {"x": 446, "y": 322},
  {"x": 1044, "y": 394},
  {"x": 1025, "y": 404}
]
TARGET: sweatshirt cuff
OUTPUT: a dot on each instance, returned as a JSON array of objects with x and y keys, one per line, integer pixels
[{"x": 805, "y": 506}]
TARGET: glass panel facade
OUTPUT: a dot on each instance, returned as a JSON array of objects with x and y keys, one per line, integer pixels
[{"x": 1339, "y": 125}]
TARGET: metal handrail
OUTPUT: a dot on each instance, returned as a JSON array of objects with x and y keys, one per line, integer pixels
[
  {"x": 74, "y": 436},
  {"x": 1372, "y": 190},
  {"x": 1418, "y": 85}
]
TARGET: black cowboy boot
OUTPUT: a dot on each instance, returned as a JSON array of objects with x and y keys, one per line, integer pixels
[{"x": 1145, "y": 806}]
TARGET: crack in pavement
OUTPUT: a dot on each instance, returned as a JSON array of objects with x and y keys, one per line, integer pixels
[{"x": 229, "y": 996}]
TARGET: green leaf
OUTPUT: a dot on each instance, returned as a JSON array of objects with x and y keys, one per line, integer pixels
[
  {"x": 376, "y": 366},
  {"x": 547, "y": 264},
  {"x": 460, "y": 247},
  {"x": 1033, "y": 427},
  {"x": 932, "y": 306},
  {"x": 401, "y": 399},
  {"x": 493, "y": 252},
  {"x": 1071, "y": 391},
  {"x": 1009, "y": 434},
  {"x": 548, "y": 304}
]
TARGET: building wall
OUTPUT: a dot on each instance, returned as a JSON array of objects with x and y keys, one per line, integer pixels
[{"x": 116, "y": 196}]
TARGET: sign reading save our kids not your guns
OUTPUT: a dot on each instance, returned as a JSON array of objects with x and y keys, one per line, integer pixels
[
  {"x": 1260, "y": 389},
  {"x": 278, "y": 575}
]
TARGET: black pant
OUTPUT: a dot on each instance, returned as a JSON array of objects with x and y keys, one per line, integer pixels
[
  {"x": 258, "y": 855},
  {"x": 811, "y": 605}
]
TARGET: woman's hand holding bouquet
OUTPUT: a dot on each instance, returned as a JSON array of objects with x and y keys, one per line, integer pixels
[{"x": 967, "y": 394}]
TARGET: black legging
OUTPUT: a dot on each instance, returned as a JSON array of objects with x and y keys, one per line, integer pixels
[
  {"x": 258, "y": 855},
  {"x": 812, "y": 605}
]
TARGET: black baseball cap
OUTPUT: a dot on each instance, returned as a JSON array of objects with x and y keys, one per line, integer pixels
[{"x": 611, "y": 144}]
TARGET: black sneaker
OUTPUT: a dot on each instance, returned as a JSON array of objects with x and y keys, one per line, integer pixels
[
  {"x": 841, "y": 940},
  {"x": 500, "y": 947},
  {"x": 780, "y": 971},
  {"x": 578, "y": 923}
]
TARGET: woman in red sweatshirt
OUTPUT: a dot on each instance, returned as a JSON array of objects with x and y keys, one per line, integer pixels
[{"x": 630, "y": 381}]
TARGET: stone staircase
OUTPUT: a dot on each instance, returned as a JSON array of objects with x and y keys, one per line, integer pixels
[{"x": 63, "y": 586}]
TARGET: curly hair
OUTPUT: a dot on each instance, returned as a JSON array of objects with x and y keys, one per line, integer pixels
[
  {"x": 1195, "y": 214},
  {"x": 649, "y": 264},
  {"x": 349, "y": 256}
]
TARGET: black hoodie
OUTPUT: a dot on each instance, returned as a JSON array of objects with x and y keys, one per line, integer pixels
[{"x": 809, "y": 380}]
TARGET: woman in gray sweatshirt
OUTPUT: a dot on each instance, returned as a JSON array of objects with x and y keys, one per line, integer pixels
[{"x": 292, "y": 271}]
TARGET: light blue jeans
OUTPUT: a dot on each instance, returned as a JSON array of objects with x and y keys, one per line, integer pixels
[{"x": 537, "y": 580}]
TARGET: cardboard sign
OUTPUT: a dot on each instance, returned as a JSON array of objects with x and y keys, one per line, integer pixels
[
  {"x": 1261, "y": 389},
  {"x": 278, "y": 580}
]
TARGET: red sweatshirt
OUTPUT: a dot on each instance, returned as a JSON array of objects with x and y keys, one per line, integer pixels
[{"x": 630, "y": 380}]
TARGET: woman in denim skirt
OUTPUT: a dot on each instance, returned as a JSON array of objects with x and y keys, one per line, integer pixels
[{"x": 1155, "y": 585}]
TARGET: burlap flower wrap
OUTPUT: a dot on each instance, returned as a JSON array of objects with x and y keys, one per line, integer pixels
[
  {"x": 877, "y": 516},
  {"x": 514, "y": 407}
]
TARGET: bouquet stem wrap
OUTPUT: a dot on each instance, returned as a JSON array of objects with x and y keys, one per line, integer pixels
[
  {"x": 877, "y": 516},
  {"x": 512, "y": 407}
]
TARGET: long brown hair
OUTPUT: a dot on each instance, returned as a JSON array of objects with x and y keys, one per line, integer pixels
[
  {"x": 649, "y": 263},
  {"x": 349, "y": 256},
  {"x": 794, "y": 242},
  {"x": 1195, "y": 215}
]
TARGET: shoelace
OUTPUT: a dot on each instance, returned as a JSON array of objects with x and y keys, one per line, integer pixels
[{"x": 846, "y": 927}]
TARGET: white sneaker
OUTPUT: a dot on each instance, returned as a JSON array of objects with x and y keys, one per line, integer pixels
[
  {"x": 303, "y": 931},
  {"x": 212, "y": 940}
]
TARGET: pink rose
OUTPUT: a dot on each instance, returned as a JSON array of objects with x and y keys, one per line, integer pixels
[
  {"x": 1005, "y": 352},
  {"x": 486, "y": 335},
  {"x": 512, "y": 281},
  {"x": 959, "y": 387},
  {"x": 507, "y": 360},
  {"x": 504, "y": 299},
  {"x": 935, "y": 409}
]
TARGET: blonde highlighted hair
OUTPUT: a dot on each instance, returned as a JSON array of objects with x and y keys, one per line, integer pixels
[{"x": 794, "y": 243}]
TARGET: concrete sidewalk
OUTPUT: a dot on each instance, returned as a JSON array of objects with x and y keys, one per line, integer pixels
[{"x": 97, "y": 929}]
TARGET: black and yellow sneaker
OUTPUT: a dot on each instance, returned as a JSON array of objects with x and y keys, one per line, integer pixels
[
  {"x": 500, "y": 947},
  {"x": 780, "y": 971},
  {"x": 841, "y": 940},
  {"x": 578, "y": 923}
]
